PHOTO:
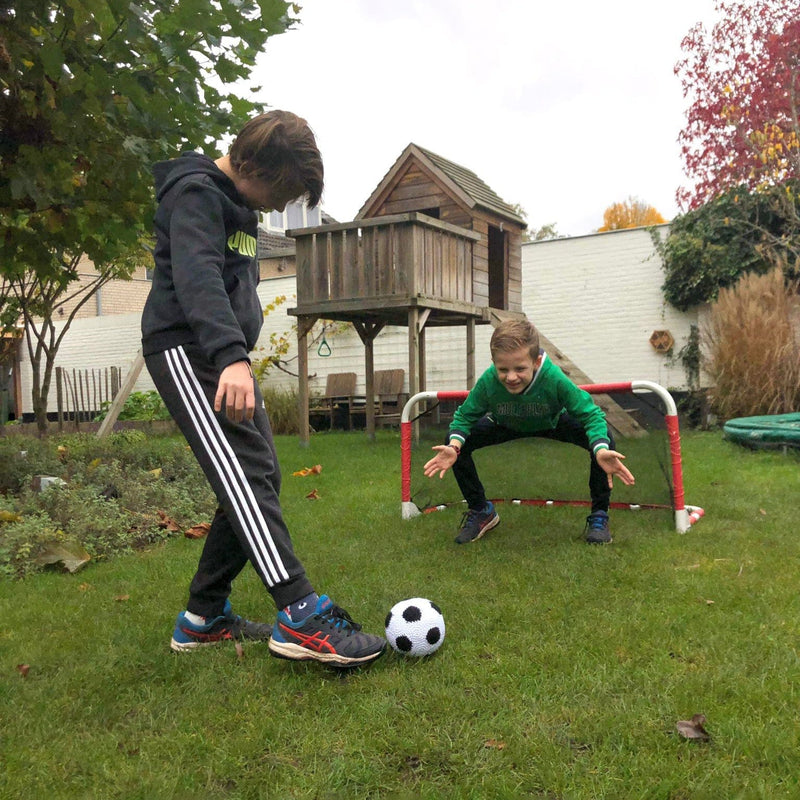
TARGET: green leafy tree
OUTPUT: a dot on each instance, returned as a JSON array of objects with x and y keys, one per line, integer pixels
[
  {"x": 92, "y": 92},
  {"x": 711, "y": 247},
  {"x": 547, "y": 231}
]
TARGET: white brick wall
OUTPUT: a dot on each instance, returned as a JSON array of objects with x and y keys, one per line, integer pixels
[
  {"x": 598, "y": 298},
  {"x": 93, "y": 342}
]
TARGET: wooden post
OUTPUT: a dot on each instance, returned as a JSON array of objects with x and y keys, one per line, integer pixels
[
  {"x": 369, "y": 386},
  {"x": 117, "y": 405},
  {"x": 78, "y": 387},
  {"x": 413, "y": 360},
  {"x": 367, "y": 331},
  {"x": 97, "y": 389},
  {"x": 60, "y": 398},
  {"x": 470, "y": 352},
  {"x": 422, "y": 366},
  {"x": 304, "y": 325}
]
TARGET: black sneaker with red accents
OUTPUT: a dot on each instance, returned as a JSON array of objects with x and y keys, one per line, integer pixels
[
  {"x": 189, "y": 636},
  {"x": 328, "y": 635},
  {"x": 476, "y": 522}
]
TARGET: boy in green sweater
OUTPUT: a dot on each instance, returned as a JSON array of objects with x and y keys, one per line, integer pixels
[{"x": 524, "y": 394}]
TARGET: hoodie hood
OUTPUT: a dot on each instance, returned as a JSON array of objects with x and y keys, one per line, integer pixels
[{"x": 168, "y": 173}]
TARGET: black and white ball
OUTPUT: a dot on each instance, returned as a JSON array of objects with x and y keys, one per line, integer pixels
[{"x": 415, "y": 627}]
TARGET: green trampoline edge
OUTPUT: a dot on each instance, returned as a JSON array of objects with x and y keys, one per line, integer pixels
[{"x": 775, "y": 429}]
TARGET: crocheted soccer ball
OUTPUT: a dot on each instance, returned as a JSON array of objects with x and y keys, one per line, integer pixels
[{"x": 415, "y": 627}]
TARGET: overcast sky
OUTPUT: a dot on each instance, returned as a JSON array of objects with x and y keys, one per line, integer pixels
[{"x": 563, "y": 107}]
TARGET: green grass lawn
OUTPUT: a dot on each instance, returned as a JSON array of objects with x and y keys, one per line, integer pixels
[{"x": 563, "y": 673}]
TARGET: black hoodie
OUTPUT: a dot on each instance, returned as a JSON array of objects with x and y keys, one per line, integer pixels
[{"x": 206, "y": 272}]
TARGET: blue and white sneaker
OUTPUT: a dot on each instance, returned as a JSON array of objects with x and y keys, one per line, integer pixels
[
  {"x": 188, "y": 636},
  {"x": 597, "y": 530},
  {"x": 328, "y": 635}
]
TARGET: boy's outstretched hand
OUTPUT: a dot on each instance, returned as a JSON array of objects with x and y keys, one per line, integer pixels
[
  {"x": 611, "y": 462},
  {"x": 235, "y": 387},
  {"x": 444, "y": 459}
]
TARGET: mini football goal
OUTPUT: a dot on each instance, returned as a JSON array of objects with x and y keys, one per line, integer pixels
[{"x": 531, "y": 472}]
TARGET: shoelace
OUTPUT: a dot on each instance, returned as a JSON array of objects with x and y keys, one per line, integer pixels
[
  {"x": 339, "y": 618},
  {"x": 596, "y": 523},
  {"x": 469, "y": 516}
]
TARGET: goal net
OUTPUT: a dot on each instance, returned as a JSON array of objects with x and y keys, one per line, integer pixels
[{"x": 542, "y": 472}]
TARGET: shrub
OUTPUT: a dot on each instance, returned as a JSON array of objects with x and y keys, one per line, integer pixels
[
  {"x": 114, "y": 491},
  {"x": 281, "y": 405},
  {"x": 739, "y": 232},
  {"x": 753, "y": 348},
  {"x": 22, "y": 539},
  {"x": 146, "y": 406},
  {"x": 22, "y": 457}
]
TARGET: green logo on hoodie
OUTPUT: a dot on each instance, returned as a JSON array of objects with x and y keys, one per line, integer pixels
[{"x": 242, "y": 243}]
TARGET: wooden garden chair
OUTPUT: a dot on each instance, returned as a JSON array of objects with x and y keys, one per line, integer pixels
[{"x": 340, "y": 389}]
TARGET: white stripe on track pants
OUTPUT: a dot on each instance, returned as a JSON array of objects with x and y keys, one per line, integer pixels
[{"x": 239, "y": 461}]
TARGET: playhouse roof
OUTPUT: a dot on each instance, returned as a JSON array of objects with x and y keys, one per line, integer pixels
[{"x": 464, "y": 183}]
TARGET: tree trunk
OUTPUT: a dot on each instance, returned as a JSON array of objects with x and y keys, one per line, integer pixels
[{"x": 38, "y": 399}]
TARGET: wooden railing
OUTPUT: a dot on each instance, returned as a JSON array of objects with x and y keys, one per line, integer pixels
[{"x": 391, "y": 257}]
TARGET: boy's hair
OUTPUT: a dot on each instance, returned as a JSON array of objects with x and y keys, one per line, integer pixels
[
  {"x": 279, "y": 147},
  {"x": 512, "y": 334}
]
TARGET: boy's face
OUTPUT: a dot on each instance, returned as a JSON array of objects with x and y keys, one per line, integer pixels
[
  {"x": 263, "y": 196},
  {"x": 515, "y": 369}
]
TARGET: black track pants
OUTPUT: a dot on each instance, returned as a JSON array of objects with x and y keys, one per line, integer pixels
[
  {"x": 239, "y": 460},
  {"x": 487, "y": 432}
]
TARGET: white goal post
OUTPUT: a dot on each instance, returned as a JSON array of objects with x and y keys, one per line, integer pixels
[{"x": 685, "y": 515}]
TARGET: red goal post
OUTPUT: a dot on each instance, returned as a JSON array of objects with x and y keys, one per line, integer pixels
[{"x": 685, "y": 515}]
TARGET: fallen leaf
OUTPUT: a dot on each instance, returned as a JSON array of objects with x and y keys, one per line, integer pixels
[
  {"x": 70, "y": 554},
  {"x": 23, "y": 669},
  {"x": 156, "y": 473},
  {"x": 313, "y": 495},
  {"x": 306, "y": 471},
  {"x": 762, "y": 512},
  {"x": 167, "y": 522},
  {"x": 239, "y": 650},
  {"x": 84, "y": 587},
  {"x": 121, "y": 598},
  {"x": 494, "y": 744},
  {"x": 693, "y": 728},
  {"x": 197, "y": 531}
]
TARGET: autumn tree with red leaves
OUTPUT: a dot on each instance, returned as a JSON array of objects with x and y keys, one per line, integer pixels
[
  {"x": 743, "y": 82},
  {"x": 741, "y": 152}
]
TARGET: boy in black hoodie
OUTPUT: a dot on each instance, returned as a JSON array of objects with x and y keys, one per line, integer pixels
[{"x": 201, "y": 320}]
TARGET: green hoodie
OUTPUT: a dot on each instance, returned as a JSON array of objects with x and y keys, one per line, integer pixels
[{"x": 537, "y": 408}]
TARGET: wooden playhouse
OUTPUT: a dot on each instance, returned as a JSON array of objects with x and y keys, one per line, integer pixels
[{"x": 433, "y": 245}]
